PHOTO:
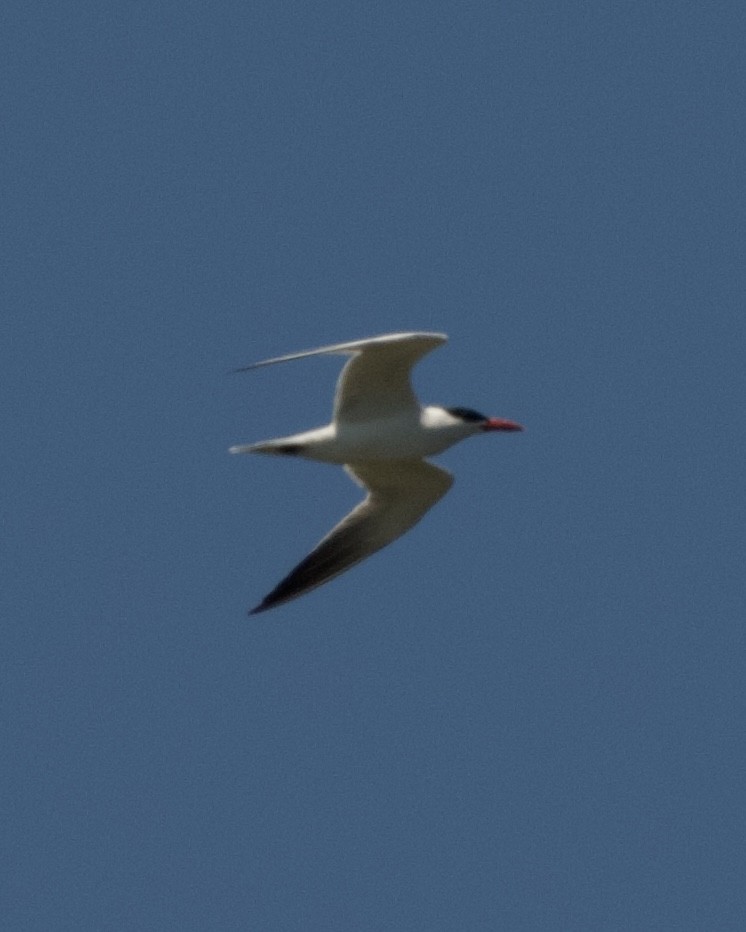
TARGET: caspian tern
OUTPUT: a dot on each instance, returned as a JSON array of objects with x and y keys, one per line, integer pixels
[{"x": 380, "y": 434}]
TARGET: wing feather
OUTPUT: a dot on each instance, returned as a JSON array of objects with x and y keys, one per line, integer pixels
[
  {"x": 375, "y": 383},
  {"x": 400, "y": 493}
]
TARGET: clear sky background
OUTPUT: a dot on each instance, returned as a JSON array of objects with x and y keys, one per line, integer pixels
[{"x": 527, "y": 714}]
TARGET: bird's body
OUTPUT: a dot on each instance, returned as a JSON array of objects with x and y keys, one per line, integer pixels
[
  {"x": 411, "y": 435},
  {"x": 381, "y": 435}
]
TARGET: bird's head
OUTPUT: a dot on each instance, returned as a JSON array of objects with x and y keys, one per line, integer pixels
[{"x": 481, "y": 421}]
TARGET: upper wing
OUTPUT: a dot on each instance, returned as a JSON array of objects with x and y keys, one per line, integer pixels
[
  {"x": 399, "y": 494},
  {"x": 375, "y": 382}
]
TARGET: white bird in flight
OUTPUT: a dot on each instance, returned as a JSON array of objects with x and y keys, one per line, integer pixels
[{"x": 381, "y": 434}]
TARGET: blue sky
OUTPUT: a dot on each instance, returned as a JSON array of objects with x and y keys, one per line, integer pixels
[{"x": 527, "y": 714}]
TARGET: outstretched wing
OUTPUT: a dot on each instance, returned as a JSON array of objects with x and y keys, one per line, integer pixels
[
  {"x": 375, "y": 383},
  {"x": 399, "y": 495}
]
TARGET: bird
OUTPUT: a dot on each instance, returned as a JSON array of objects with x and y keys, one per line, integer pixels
[{"x": 382, "y": 436}]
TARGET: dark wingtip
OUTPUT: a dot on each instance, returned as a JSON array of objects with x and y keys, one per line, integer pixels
[{"x": 266, "y": 603}]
